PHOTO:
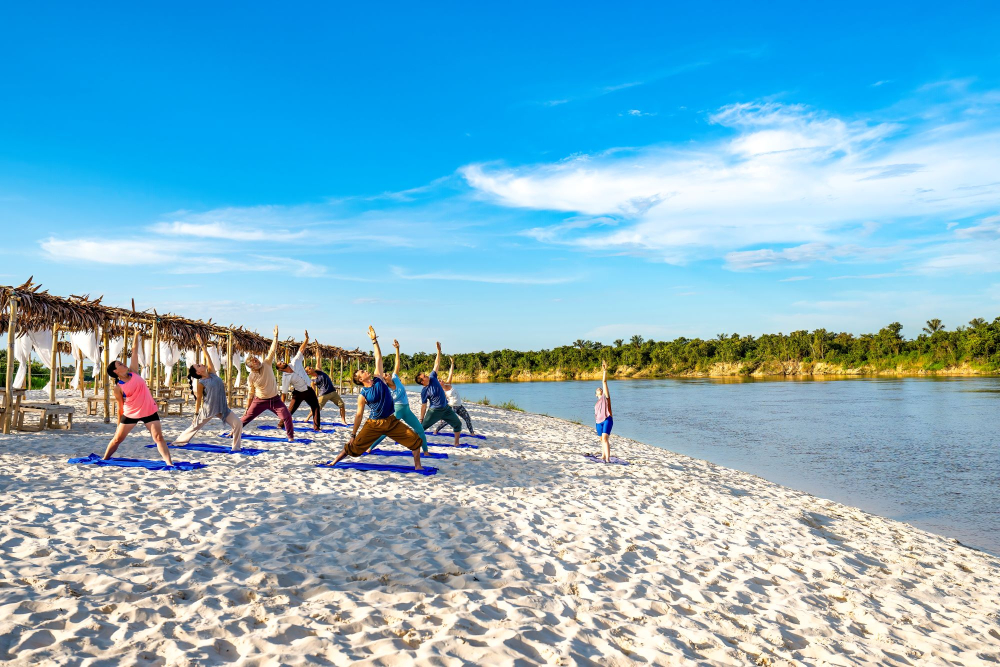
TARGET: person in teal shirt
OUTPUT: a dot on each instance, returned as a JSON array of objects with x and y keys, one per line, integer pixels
[{"x": 401, "y": 406}]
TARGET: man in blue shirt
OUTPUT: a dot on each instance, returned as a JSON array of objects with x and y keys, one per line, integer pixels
[
  {"x": 381, "y": 418},
  {"x": 433, "y": 393}
]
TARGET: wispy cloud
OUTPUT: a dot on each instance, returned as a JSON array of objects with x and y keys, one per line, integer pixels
[
  {"x": 790, "y": 184},
  {"x": 637, "y": 113},
  {"x": 486, "y": 278},
  {"x": 225, "y": 230},
  {"x": 794, "y": 279}
]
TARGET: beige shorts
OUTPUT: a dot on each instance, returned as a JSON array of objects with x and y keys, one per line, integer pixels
[{"x": 332, "y": 397}]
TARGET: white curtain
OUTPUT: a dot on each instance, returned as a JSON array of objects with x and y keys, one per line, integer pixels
[
  {"x": 84, "y": 343},
  {"x": 170, "y": 354}
]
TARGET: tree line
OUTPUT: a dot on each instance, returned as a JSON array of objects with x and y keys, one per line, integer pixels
[{"x": 976, "y": 345}]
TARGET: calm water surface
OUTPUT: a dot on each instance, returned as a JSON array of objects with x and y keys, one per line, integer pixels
[{"x": 924, "y": 451}]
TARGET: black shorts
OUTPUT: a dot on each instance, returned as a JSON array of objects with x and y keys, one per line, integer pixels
[{"x": 155, "y": 417}]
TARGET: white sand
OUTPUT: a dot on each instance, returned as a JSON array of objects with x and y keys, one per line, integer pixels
[{"x": 519, "y": 552}]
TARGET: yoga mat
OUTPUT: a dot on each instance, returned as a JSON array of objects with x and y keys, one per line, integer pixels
[
  {"x": 116, "y": 462},
  {"x": 397, "y": 452},
  {"x": 271, "y": 427},
  {"x": 267, "y": 438},
  {"x": 306, "y": 421},
  {"x": 452, "y": 434},
  {"x": 215, "y": 449},
  {"x": 461, "y": 445},
  {"x": 594, "y": 458},
  {"x": 357, "y": 465}
]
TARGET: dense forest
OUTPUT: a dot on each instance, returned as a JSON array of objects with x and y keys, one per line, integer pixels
[{"x": 971, "y": 348}]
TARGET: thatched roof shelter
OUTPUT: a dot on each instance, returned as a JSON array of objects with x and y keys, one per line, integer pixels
[{"x": 39, "y": 310}]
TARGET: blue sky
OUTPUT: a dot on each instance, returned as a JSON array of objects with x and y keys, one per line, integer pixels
[{"x": 511, "y": 176}]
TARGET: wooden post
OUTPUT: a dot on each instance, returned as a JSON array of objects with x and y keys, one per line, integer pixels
[
  {"x": 9, "y": 378},
  {"x": 83, "y": 384},
  {"x": 107, "y": 360},
  {"x": 52, "y": 363},
  {"x": 229, "y": 363},
  {"x": 155, "y": 375}
]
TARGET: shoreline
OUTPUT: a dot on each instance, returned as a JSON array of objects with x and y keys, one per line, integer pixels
[{"x": 518, "y": 550}]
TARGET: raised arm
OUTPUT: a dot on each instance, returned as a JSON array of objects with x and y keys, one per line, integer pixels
[
  {"x": 395, "y": 344},
  {"x": 208, "y": 357},
  {"x": 604, "y": 380},
  {"x": 437, "y": 360},
  {"x": 451, "y": 369},
  {"x": 302, "y": 348},
  {"x": 133, "y": 364},
  {"x": 269, "y": 357},
  {"x": 378, "y": 353}
]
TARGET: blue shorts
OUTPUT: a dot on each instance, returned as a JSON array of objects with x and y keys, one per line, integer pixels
[{"x": 604, "y": 426}]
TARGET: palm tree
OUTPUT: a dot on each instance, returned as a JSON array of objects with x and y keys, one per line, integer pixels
[
  {"x": 933, "y": 326},
  {"x": 618, "y": 342},
  {"x": 977, "y": 322},
  {"x": 637, "y": 341},
  {"x": 580, "y": 344}
]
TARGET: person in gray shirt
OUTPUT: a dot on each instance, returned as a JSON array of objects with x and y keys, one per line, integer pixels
[{"x": 210, "y": 401}]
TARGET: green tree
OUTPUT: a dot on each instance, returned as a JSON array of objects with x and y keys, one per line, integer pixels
[
  {"x": 933, "y": 326},
  {"x": 637, "y": 341},
  {"x": 618, "y": 342}
]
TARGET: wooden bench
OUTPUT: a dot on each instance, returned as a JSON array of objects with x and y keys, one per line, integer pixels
[
  {"x": 48, "y": 415},
  {"x": 164, "y": 405}
]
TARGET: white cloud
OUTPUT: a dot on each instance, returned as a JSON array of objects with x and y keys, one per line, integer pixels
[
  {"x": 786, "y": 176},
  {"x": 486, "y": 278},
  {"x": 794, "y": 279},
  {"x": 225, "y": 230}
]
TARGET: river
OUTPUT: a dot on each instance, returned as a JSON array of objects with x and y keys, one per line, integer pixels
[{"x": 920, "y": 450}]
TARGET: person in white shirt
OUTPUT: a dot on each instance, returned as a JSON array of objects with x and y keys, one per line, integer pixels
[
  {"x": 454, "y": 401},
  {"x": 299, "y": 383}
]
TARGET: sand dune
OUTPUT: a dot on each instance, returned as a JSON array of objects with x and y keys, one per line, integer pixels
[{"x": 519, "y": 552}]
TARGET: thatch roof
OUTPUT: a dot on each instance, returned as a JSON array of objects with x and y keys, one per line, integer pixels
[{"x": 39, "y": 310}]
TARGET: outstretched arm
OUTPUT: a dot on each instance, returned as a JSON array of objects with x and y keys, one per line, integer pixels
[
  {"x": 437, "y": 360},
  {"x": 451, "y": 370},
  {"x": 604, "y": 380},
  {"x": 395, "y": 344},
  {"x": 378, "y": 352},
  {"x": 302, "y": 348},
  {"x": 208, "y": 357},
  {"x": 274, "y": 347},
  {"x": 133, "y": 364}
]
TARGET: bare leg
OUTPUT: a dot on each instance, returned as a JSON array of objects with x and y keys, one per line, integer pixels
[
  {"x": 457, "y": 434},
  {"x": 120, "y": 433},
  {"x": 416, "y": 460},
  {"x": 340, "y": 456},
  {"x": 156, "y": 430},
  {"x": 343, "y": 414},
  {"x": 606, "y": 446}
]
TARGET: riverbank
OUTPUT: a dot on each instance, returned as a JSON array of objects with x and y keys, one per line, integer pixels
[
  {"x": 766, "y": 370},
  {"x": 516, "y": 551}
]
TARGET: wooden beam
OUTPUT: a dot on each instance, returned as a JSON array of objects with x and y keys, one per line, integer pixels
[
  {"x": 9, "y": 379},
  {"x": 103, "y": 371},
  {"x": 52, "y": 363},
  {"x": 229, "y": 364}
]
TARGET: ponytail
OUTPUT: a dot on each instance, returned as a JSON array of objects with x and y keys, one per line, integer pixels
[{"x": 192, "y": 373}]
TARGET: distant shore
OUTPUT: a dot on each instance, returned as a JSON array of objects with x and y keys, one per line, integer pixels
[{"x": 767, "y": 370}]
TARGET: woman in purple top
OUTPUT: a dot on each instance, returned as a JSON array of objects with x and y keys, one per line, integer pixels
[{"x": 602, "y": 414}]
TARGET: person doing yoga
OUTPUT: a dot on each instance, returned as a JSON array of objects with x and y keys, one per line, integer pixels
[
  {"x": 263, "y": 390},
  {"x": 135, "y": 404},
  {"x": 381, "y": 420},
  {"x": 323, "y": 386},
  {"x": 299, "y": 381},
  {"x": 209, "y": 400},
  {"x": 433, "y": 393},
  {"x": 400, "y": 404},
  {"x": 602, "y": 414},
  {"x": 455, "y": 401}
]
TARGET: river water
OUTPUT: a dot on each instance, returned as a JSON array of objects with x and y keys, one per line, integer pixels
[{"x": 924, "y": 451}]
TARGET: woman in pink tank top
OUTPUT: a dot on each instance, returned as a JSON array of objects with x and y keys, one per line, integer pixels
[
  {"x": 135, "y": 404},
  {"x": 602, "y": 414}
]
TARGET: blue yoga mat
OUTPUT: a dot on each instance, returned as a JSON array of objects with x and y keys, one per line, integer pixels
[
  {"x": 452, "y": 434},
  {"x": 268, "y": 438},
  {"x": 593, "y": 458},
  {"x": 215, "y": 449},
  {"x": 272, "y": 427},
  {"x": 461, "y": 445},
  {"x": 397, "y": 452},
  {"x": 306, "y": 421},
  {"x": 116, "y": 462},
  {"x": 357, "y": 465}
]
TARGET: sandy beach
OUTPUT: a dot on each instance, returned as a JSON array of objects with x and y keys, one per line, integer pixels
[{"x": 518, "y": 552}]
